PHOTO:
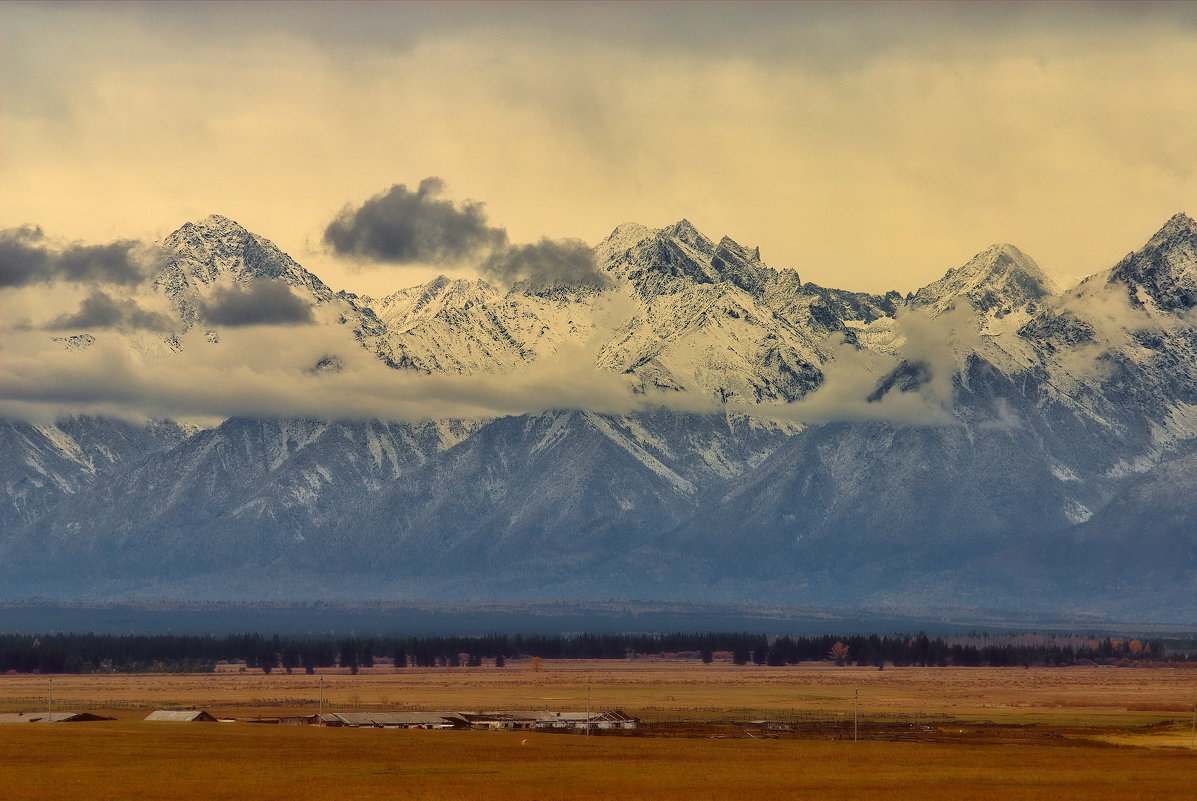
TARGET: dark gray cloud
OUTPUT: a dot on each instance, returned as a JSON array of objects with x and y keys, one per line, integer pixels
[
  {"x": 548, "y": 262},
  {"x": 28, "y": 257},
  {"x": 257, "y": 303},
  {"x": 100, "y": 310},
  {"x": 835, "y": 35},
  {"x": 403, "y": 226}
]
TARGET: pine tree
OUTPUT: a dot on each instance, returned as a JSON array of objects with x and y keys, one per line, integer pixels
[{"x": 348, "y": 656}]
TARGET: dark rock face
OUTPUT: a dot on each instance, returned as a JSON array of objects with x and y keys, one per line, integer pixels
[{"x": 1164, "y": 272}]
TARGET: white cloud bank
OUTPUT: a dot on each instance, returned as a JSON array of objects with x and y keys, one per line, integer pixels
[{"x": 272, "y": 371}]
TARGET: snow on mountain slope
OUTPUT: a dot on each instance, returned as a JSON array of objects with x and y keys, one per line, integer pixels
[
  {"x": 218, "y": 252},
  {"x": 1001, "y": 284},
  {"x": 1162, "y": 276},
  {"x": 200, "y": 254},
  {"x": 43, "y": 464},
  {"x": 1121, "y": 347},
  {"x": 1054, "y": 406},
  {"x": 555, "y": 492},
  {"x": 247, "y": 491},
  {"x": 692, "y": 316},
  {"x": 471, "y": 327},
  {"x": 714, "y": 320}
]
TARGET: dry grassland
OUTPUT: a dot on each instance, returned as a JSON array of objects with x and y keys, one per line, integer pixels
[
  {"x": 1099, "y": 696},
  {"x": 1088, "y": 728},
  {"x": 241, "y": 762}
]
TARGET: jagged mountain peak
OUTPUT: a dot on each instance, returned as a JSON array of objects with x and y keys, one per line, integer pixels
[
  {"x": 729, "y": 245},
  {"x": 620, "y": 242},
  {"x": 678, "y": 257},
  {"x": 996, "y": 282},
  {"x": 1179, "y": 224},
  {"x": 217, "y": 246},
  {"x": 214, "y": 249},
  {"x": 630, "y": 230},
  {"x": 218, "y": 221},
  {"x": 684, "y": 231},
  {"x": 742, "y": 266},
  {"x": 1163, "y": 273},
  {"x": 996, "y": 261},
  {"x": 437, "y": 284},
  {"x": 207, "y": 233},
  {"x": 221, "y": 245}
]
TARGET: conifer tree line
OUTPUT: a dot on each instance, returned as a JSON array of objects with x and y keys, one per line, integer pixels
[{"x": 85, "y": 653}]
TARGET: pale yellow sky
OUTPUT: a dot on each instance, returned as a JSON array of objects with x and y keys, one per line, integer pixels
[{"x": 869, "y": 147}]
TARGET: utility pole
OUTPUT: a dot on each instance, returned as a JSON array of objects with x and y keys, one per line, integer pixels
[
  {"x": 320, "y": 703},
  {"x": 855, "y": 714},
  {"x": 50, "y": 700},
  {"x": 588, "y": 710}
]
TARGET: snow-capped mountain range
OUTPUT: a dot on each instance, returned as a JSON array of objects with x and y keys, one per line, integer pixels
[{"x": 994, "y": 439}]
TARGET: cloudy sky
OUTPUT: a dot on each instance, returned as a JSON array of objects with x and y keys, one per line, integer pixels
[
  {"x": 870, "y": 146},
  {"x": 867, "y": 146}
]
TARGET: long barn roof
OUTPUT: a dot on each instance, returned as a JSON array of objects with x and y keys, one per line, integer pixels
[{"x": 180, "y": 715}]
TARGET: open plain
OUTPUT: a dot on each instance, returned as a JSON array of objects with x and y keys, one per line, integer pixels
[{"x": 963, "y": 733}]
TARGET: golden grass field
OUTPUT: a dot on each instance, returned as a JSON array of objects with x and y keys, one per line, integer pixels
[
  {"x": 241, "y": 762},
  {"x": 1118, "y": 733},
  {"x": 663, "y": 689}
]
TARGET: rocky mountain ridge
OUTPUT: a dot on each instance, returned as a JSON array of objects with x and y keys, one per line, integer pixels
[{"x": 1048, "y": 418}]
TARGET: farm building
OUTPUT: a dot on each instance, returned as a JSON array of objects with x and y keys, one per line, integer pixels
[
  {"x": 545, "y": 720},
  {"x": 386, "y": 720},
  {"x": 573, "y": 721},
  {"x": 489, "y": 720},
  {"x": 181, "y": 716},
  {"x": 493, "y": 720},
  {"x": 50, "y": 717},
  {"x": 497, "y": 720},
  {"x": 298, "y": 720}
]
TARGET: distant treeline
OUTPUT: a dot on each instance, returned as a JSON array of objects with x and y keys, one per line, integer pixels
[{"x": 85, "y": 653}]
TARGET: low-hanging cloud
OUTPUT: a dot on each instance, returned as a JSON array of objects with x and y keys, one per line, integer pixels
[
  {"x": 422, "y": 227},
  {"x": 268, "y": 373},
  {"x": 261, "y": 302},
  {"x": 405, "y": 227},
  {"x": 28, "y": 256},
  {"x": 99, "y": 311},
  {"x": 322, "y": 371},
  {"x": 546, "y": 263},
  {"x": 914, "y": 385}
]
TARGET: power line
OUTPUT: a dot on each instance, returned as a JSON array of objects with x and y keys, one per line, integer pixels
[{"x": 855, "y": 714}]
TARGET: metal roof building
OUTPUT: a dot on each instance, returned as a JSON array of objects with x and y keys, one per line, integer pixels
[
  {"x": 181, "y": 716},
  {"x": 386, "y": 720},
  {"x": 50, "y": 717}
]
